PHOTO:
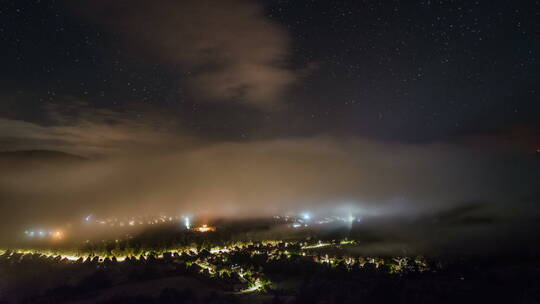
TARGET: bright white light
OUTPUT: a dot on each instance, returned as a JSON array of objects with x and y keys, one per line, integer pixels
[
  {"x": 306, "y": 216},
  {"x": 88, "y": 217},
  {"x": 296, "y": 225},
  {"x": 187, "y": 222}
]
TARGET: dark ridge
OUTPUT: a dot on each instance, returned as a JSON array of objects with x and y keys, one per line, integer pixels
[{"x": 40, "y": 155}]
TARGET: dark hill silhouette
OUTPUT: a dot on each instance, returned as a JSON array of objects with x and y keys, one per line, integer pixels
[
  {"x": 37, "y": 158},
  {"x": 47, "y": 155}
]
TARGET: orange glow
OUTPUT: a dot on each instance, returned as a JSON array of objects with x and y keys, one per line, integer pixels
[
  {"x": 58, "y": 235},
  {"x": 204, "y": 228}
]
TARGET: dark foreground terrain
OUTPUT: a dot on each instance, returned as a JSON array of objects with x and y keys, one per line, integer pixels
[{"x": 266, "y": 272}]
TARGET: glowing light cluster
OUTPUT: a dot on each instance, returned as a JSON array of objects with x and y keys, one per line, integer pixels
[
  {"x": 204, "y": 228},
  {"x": 256, "y": 285},
  {"x": 306, "y": 219},
  {"x": 41, "y": 234},
  {"x": 252, "y": 278},
  {"x": 318, "y": 245},
  {"x": 130, "y": 221}
]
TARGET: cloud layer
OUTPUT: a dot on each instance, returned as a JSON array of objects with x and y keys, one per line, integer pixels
[
  {"x": 146, "y": 171},
  {"x": 140, "y": 166},
  {"x": 228, "y": 50},
  {"x": 79, "y": 129}
]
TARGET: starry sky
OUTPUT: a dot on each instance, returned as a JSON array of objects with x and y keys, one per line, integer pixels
[
  {"x": 404, "y": 107},
  {"x": 412, "y": 71}
]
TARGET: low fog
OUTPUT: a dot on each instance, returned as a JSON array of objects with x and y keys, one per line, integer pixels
[
  {"x": 103, "y": 162},
  {"x": 260, "y": 178}
]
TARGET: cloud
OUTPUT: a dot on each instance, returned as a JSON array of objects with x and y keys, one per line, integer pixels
[
  {"x": 79, "y": 129},
  {"x": 142, "y": 167},
  {"x": 228, "y": 49},
  {"x": 251, "y": 178}
]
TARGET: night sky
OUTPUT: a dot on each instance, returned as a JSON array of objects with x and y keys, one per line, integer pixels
[
  {"x": 411, "y": 104},
  {"x": 408, "y": 71}
]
